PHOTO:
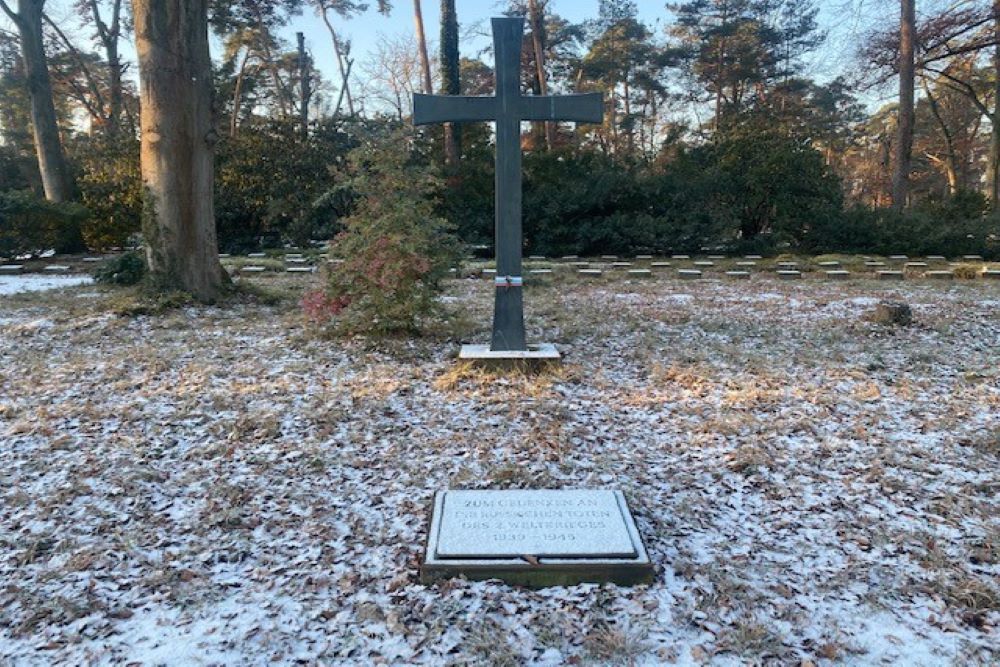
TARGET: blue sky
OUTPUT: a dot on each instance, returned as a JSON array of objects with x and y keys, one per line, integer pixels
[
  {"x": 844, "y": 28},
  {"x": 844, "y": 25}
]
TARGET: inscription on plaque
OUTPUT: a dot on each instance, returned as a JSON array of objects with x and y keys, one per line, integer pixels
[{"x": 544, "y": 524}]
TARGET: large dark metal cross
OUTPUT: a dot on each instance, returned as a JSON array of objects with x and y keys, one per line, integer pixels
[{"x": 508, "y": 109}]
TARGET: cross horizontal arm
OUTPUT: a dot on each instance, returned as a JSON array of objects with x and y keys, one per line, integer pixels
[
  {"x": 452, "y": 109},
  {"x": 573, "y": 108}
]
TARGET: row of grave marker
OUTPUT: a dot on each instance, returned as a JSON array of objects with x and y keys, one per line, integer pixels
[{"x": 788, "y": 270}]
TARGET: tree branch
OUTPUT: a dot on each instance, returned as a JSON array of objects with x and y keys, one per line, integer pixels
[
  {"x": 960, "y": 51},
  {"x": 961, "y": 30},
  {"x": 87, "y": 74},
  {"x": 16, "y": 18},
  {"x": 965, "y": 88}
]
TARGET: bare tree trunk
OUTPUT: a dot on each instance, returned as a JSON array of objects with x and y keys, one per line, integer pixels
[
  {"x": 109, "y": 34},
  {"x": 630, "y": 129},
  {"x": 994, "y": 167},
  {"x": 904, "y": 139},
  {"x": 175, "y": 73},
  {"x": 451, "y": 78},
  {"x": 950, "y": 162},
  {"x": 305, "y": 84},
  {"x": 425, "y": 60},
  {"x": 536, "y": 13},
  {"x": 344, "y": 69},
  {"x": 719, "y": 67},
  {"x": 345, "y": 89},
  {"x": 234, "y": 120},
  {"x": 48, "y": 147},
  {"x": 115, "y": 96},
  {"x": 110, "y": 38}
]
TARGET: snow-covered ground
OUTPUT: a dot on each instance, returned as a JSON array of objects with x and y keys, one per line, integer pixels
[
  {"x": 218, "y": 486},
  {"x": 35, "y": 283}
]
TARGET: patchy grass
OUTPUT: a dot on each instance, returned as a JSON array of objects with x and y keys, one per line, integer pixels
[{"x": 219, "y": 484}]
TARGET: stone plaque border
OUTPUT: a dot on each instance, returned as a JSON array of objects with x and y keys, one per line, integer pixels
[
  {"x": 544, "y": 572},
  {"x": 536, "y": 357}
]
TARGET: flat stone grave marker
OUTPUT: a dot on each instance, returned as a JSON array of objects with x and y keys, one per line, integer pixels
[
  {"x": 300, "y": 269},
  {"x": 916, "y": 266},
  {"x": 829, "y": 265},
  {"x": 874, "y": 265},
  {"x": 753, "y": 257},
  {"x": 738, "y": 275},
  {"x": 536, "y": 258},
  {"x": 253, "y": 269},
  {"x": 680, "y": 257},
  {"x": 489, "y": 272},
  {"x": 898, "y": 258},
  {"x": 787, "y": 265},
  {"x": 716, "y": 257},
  {"x": 643, "y": 257},
  {"x": 540, "y": 272},
  {"x": 937, "y": 258},
  {"x": 590, "y": 272},
  {"x": 57, "y": 268},
  {"x": 940, "y": 275},
  {"x": 973, "y": 258},
  {"x": 661, "y": 265},
  {"x": 640, "y": 273},
  {"x": 609, "y": 256},
  {"x": 257, "y": 255},
  {"x": 746, "y": 264},
  {"x": 689, "y": 274},
  {"x": 11, "y": 268},
  {"x": 294, "y": 256},
  {"x": 789, "y": 274},
  {"x": 621, "y": 265},
  {"x": 92, "y": 260},
  {"x": 838, "y": 275},
  {"x": 535, "y": 538},
  {"x": 704, "y": 264},
  {"x": 991, "y": 274},
  {"x": 571, "y": 257},
  {"x": 891, "y": 275}
]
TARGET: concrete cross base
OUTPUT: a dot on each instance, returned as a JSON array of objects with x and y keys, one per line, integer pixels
[{"x": 535, "y": 357}]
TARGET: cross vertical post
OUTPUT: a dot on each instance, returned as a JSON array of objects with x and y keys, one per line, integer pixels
[
  {"x": 508, "y": 108},
  {"x": 508, "y": 305}
]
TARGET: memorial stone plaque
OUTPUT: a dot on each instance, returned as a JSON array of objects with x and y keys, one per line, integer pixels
[{"x": 535, "y": 538}]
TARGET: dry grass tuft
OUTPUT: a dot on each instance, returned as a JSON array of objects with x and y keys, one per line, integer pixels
[
  {"x": 988, "y": 442},
  {"x": 486, "y": 642},
  {"x": 973, "y": 595},
  {"x": 748, "y": 459},
  {"x": 530, "y": 380},
  {"x": 750, "y": 638},
  {"x": 515, "y": 476},
  {"x": 607, "y": 644}
]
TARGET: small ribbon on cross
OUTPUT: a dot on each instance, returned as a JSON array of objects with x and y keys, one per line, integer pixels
[{"x": 509, "y": 281}]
